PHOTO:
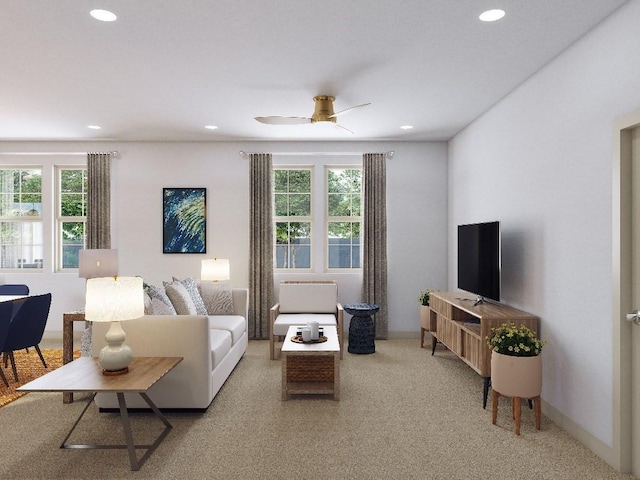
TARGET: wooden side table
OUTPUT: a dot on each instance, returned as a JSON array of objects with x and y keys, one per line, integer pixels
[
  {"x": 67, "y": 343},
  {"x": 85, "y": 375}
]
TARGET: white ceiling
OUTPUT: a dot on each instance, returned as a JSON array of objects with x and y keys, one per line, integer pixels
[{"x": 167, "y": 68}]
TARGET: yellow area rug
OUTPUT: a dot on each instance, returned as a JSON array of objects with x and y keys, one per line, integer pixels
[{"x": 29, "y": 367}]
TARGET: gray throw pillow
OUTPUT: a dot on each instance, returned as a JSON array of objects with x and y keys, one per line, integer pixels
[
  {"x": 180, "y": 298},
  {"x": 160, "y": 303},
  {"x": 217, "y": 297},
  {"x": 192, "y": 288}
]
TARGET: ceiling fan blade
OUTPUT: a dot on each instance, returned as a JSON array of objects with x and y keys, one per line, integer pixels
[
  {"x": 347, "y": 110},
  {"x": 344, "y": 128},
  {"x": 283, "y": 120}
]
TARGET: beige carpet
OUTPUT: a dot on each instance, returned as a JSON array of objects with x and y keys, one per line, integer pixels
[{"x": 403, "y": 415}]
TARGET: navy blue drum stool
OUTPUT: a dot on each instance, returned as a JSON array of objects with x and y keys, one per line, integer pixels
[{"x": 362, "y": 331}]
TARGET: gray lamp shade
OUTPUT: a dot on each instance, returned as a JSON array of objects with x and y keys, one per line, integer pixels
[{"x": 99, "y": 262}]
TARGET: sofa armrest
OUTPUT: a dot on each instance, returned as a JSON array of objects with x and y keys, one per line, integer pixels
[{"x": 241, "y": 302}]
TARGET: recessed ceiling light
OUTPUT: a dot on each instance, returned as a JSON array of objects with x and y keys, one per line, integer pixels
[
  {"x": 94, "y": 127},
  {"x": 406, "y": 127},
  {"x": 103, "y": 15},
  {"x": 491, "y": 15},
  {"x": 211, "y": 127}
]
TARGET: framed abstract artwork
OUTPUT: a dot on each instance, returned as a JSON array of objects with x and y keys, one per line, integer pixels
[{"x": 184, "y": 220}]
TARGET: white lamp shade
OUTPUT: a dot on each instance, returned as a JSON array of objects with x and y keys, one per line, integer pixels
[
  {"x": 112, "y": 299},
  {"x": 216, "y": 269},
  {"x": 98, "y": 262}
]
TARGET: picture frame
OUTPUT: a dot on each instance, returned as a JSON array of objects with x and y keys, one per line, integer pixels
[{"x": 184, "y": 220}]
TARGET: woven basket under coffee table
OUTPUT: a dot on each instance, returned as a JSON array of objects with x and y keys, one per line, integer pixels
[{"x": 311, "y": 368}]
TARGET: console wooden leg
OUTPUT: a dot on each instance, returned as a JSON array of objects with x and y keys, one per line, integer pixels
[
  {"x": 495, "y": 398},
  {"x": 434, "y": 342},
  {"x": 537, "y": 410},
  {"x": 422, "y": 332},
  {"x": 518, "y": 412}
]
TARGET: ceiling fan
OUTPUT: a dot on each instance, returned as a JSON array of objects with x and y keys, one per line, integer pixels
[{"x": 323, "y": 113}]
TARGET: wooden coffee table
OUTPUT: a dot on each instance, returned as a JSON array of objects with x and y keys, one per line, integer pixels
[
  {"x": 85, "y": 375},
  {"x": 311, "y": 368}
]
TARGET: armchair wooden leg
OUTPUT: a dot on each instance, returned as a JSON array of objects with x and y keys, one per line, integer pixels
[{"x": 271, "y": 347}]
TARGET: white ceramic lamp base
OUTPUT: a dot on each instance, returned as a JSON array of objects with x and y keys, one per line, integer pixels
[{"x": 116, "y": 356}]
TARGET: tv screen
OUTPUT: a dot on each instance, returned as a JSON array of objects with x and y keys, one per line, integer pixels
[{"x": 479, "y": 259}]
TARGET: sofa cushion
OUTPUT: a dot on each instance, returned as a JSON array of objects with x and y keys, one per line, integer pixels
[
  {"x": 235, "y": 324},
  {"x": 286, "y": 320},
  {"x": 192, "y": 287},
  {"x": 217, "y": 298},
  {"x": 160, "y": 303},
  {"x": 308, "y": 297},
  {"x": 220, "y": 345},
  {"x": 180, "y": 298}
]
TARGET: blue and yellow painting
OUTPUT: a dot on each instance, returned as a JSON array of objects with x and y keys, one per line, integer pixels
[{"x": 185, "y": 224}]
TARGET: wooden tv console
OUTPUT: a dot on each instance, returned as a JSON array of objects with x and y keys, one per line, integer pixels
[{"x": 463, "y": 328}]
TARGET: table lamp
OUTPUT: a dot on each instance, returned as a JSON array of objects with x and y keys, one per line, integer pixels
[
  {"x": 215, "y": 270},
  {"x": 114, "y": 299},
  {"x": 97, "y": 262}
]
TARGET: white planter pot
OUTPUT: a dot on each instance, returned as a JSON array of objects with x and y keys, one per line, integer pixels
[
  {"x": 516, "y": 376},
  {"x": 425, "y": 316}
]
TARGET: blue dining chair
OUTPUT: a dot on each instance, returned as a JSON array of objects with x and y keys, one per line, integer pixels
[
  {"x": 26, "y": 328},
  {"x": 14, "y": 289},
  {"x": 6, "y": 309}
]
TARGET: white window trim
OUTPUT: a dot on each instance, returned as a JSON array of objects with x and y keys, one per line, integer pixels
[
  {"x": 59, "y": 219},
  {"x": 351, "y": 219},
  {"x": 41, "y": 218},
  {"x": 310, "y": 219}
]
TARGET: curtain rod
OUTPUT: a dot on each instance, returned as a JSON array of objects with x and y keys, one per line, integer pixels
[
  {"x": 113, "y": 153},
  {"x": 320, "y": 154}
]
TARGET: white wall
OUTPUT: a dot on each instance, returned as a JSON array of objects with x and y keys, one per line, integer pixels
[
  {"x": 540, "y": 161},
  {"x": 416, "y": 198}
]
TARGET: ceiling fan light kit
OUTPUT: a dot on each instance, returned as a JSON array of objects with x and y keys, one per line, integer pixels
[{"x": 323, "y": 112}]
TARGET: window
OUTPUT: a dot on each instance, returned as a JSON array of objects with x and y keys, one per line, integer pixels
[
  {"x": 296, "y": 189},
  {"x": 344, "y": 218},
  {"x": 292, "y": 217},
  {"x": 71, "y": 215},
  {"x": 21, "y": 234}
]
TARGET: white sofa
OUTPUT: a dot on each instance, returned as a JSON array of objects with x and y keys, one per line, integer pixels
[{"x": 212, "y": 345}]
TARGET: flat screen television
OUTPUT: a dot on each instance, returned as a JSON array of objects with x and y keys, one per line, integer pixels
[{"x": 479, "y": 260}]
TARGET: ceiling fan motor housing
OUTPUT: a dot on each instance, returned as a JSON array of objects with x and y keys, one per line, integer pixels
[{"x": 323, "y": 109}]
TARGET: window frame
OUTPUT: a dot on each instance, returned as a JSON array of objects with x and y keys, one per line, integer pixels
[
  {"x": 59, "y": 219},
  {"x": 350, "y": 219},
  {"x": 29, "y": 219},
  {"x": 294, "y": 218}
]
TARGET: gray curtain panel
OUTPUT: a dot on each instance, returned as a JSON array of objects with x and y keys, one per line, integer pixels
[
  {"x": 99, "y": 201},
  {"x": 261, "y": 286},
  {"x": 374, "y": 265}
]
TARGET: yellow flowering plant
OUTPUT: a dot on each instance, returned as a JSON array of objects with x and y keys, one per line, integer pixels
[{"x": 517, "y": 341}]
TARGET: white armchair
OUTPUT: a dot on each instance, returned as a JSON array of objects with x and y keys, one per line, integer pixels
[{"x": 302, "y": 302}]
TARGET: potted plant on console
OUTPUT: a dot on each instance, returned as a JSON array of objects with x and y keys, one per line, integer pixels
[
  {"x": 425, "y": 314},
  {"x": 516, "y": 368}
]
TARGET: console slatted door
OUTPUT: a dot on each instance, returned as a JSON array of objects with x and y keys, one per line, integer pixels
[{"x": 472, "y": 349}]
